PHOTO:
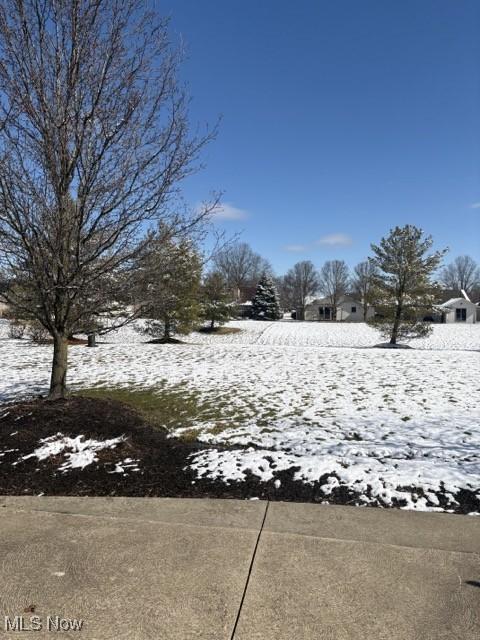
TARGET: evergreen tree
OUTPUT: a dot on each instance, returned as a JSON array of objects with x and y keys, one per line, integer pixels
[
  {"x": 405, "y": 292},
  {"x": 265, "y": 304},
  {"x": 169, "y": 283},
  {"x": 216, "y": 304}
]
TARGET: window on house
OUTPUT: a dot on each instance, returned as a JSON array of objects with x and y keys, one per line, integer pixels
[
  {"x": 354, "y": 309},
  {"x": 320, "y": 311},
  {"x": 461, "y": 315}
]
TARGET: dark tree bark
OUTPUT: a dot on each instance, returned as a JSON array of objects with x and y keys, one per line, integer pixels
[
  {"x": 58, "y": 380},
  {"x": 167, "y": 330},
  {"x": 396, "y": 324}
]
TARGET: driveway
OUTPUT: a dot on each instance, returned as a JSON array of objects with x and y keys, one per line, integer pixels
[{"x": 165, "y": 569}]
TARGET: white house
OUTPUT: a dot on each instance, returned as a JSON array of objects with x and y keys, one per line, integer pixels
[
  {"x": 348, "y": 310},
  {"x": 459, "y": 310}
]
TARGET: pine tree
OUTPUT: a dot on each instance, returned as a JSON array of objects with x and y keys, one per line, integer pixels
[
  {"x": 169, "y": 278},
  {"x": 216, "y": 304},
  {"x": 404, "y": 288},
  {"x": 265, "y": 304}
]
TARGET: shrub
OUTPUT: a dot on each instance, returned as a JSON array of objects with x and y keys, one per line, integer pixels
[
  {"x": 16, "y": 329},
  {"x": 37, "y": 332}
]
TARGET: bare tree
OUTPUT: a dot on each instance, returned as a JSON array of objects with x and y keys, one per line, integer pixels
[
  {"x": 363, "y": 284},
  {"x": 334, "y": 281},
  {"x": 240, "y": 266},
  {"x": 300, "y": 282},
  {"x": 94, "y": 142},
  {"x": 462, "y": 273}
]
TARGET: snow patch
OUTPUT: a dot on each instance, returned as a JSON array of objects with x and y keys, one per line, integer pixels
[{"x": 79, "y": 452}]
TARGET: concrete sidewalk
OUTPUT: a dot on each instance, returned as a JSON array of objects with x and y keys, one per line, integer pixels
[{"x": 138, "y": 568}]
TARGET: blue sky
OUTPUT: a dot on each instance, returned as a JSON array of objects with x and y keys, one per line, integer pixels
[{"x": 340, "y": 119}]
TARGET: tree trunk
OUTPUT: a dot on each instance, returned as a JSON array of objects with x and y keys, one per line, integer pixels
[
  {"x": 212, "y": 324},
  {"x": 166, "y": 332},
  {"x": 92, "y": 340},
  {"x": 365, "y": 312},
  {"x": 58, "y": 384},
  {"x": 396, "y": 324}
]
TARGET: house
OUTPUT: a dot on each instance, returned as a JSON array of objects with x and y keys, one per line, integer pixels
[
  {"x": 244, "y": 293},
  {"x": 243, "y": 309},
  {"x": 348, "y": 310},
  {"x": 459, "y": 310}
]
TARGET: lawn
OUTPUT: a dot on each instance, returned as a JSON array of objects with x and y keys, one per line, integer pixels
[{"x": 305, "y": 401}]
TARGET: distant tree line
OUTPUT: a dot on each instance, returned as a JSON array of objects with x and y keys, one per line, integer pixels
[{"x": 402, "y": 281}]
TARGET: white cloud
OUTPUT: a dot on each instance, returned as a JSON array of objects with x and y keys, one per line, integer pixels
[
  {"x": 296, "y": 248},
  {"x": 336, "y": 240},
  {"x": 226, "y": 211},
  {"x": 475, "y": 205}
]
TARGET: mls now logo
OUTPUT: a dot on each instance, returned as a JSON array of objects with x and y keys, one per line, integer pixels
[{"x": 36, "y": 623}]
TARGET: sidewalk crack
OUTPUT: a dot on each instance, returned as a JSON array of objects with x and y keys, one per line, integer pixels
[{"x": 252, "y": 561}]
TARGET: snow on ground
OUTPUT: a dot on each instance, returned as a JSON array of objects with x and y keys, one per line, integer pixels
[
  {"x": 298, "y": 395},
  {"x": 78, "y": 452},
  {"x": 315, "y": 334}
]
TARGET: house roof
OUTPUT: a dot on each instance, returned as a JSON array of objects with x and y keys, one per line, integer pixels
[
  {"x": 342, "y": 300},
  {"x": 454, "y": 301}
]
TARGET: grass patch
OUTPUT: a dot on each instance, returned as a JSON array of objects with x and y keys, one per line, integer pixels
[
  {"x": 163, "y": 408},
  {"x": 172, "y": 408},
  {"x": 182, "y": 408}
]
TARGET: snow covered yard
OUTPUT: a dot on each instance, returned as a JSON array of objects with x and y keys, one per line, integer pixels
[{"x": 393, "y": 427}]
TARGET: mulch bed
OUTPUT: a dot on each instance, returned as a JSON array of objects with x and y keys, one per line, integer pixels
[{"x": 162, "y": 460}]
